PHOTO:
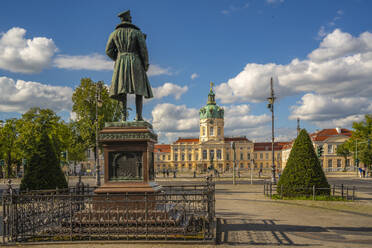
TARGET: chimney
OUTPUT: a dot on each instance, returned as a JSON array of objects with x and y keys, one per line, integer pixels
[{"x": 338, "y": 130}]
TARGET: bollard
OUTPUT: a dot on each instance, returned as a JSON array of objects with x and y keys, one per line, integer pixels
[
  {"x": 342, "y": 191},
  {"x": 264, "y": 188},
  {"x": 271, "y": 189},
  {"x": 333, "y": 190},
  {"x": 353, "y": 193},
  {"x": 347, "y": 193},
  {"x": 281, "y": 191},
  {"x": 314, "y": 192}
]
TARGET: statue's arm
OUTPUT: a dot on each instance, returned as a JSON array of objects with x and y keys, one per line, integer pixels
[
  {"x": 143, "y": 51},
  {"x": 111, "y": 49}
]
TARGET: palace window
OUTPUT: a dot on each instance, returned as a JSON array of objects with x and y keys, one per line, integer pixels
[
  {"x": 218, "y": 154},
  {"x": 338, "y": 163},
  {"x": 196, "y": 156},
  {"x": 266, "y": 155},
  {"x": 211, "y": 154},
  {"x": 241, "y": 156},
  {"x": 163, "y": 157},
  {"x": 330, "y": 150},
  {"x": 211, "y": 131},
  {"x": 219, "y": 131},
  {"x": 175, "y": 157},
  {"x": 183, "y": 157},
  {"x": 203, "y": 129},
  {"x": 255, "y": 156},
  {"x": 204, "y": 154},
  {"x": 227, "y": 156},
  {"x": 241, "y": 165},
  {"x": 347, "y": 162},
  {"x": 261, "y": 156},
  {"x": 248, "y": 156},
  {"x": 329, "y": 163},
  {"x": 189, "y": 157},
  {"x": 168, "y": 157}
]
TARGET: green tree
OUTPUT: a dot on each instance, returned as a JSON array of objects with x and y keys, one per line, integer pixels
[
  {"x": 43, "y": 171},
  {"x": 9, "y": 149},
  {"x": 84, "y": 101},
  {"x": 362, "y": 136},
  {"x": 76, "y": 149},
  {"x": 37, "y": 121},
  {"x": 303, "y": 170},
  {"x": 343, "y": 150}
]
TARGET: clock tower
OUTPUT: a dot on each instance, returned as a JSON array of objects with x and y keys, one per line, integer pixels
[{"x": 211, "y": 120}]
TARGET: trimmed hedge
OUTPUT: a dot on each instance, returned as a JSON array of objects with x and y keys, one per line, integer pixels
[
  {"x": 43, "y": 171},
  {"x": 303, "y": 170}
]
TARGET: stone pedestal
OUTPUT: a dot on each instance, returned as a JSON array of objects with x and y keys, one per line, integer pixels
[{"x": 129, "y": 161}]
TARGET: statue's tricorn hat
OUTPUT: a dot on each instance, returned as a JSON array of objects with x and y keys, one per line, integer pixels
[{"x": 124, "y": 15}]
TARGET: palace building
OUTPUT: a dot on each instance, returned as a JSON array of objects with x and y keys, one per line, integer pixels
[
  {"x": 329, "y": 140},
  {"x": 213, "y": 149}
]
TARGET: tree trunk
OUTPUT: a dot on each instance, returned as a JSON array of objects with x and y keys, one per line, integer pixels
[{"x": 9, "y": 164}]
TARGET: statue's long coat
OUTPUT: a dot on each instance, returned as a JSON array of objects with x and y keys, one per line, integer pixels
[{"x": 127, "y": 47}]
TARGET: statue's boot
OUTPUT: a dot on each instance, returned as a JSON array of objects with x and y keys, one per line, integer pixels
[
  {"x": 139, "y": 104},
  {"x": 123, "y": 103}
]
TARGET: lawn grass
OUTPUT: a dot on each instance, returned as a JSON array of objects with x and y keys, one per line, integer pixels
[{"x": 303, "y": 197}]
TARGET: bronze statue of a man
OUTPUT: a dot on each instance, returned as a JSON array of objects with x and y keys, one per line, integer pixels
[{"x": 127, "y": 47}]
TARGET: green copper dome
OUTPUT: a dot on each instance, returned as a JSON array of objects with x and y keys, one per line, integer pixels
[{"x": 211, "y": 110}]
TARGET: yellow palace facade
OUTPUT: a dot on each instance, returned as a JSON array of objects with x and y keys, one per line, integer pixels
[{"x": 212, "y": 148}]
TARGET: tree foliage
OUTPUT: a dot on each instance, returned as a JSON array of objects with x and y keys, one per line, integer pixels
[
  {"x": 37, "y": 121},
  {"x": 43, "y": 171},
  {"x": 362, "y": 132},
  {"x": 8, "y": 143},
  {"x": 84, "y": 106},
  {"x": 343, "y": 150},
  {"x": 303, "y": 170}
]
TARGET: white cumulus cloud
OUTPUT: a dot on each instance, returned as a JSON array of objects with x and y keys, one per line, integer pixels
[
  {"x": 156, "y": 70},
  {"x": 18, "y": 54},
  {"x": 339, "y": 70},
  {"x": 95, "y": 62},
  {"x": 172, "y": 121},
  {"x": 19, "y": 96},
  {"x": 194, "y": 75},
  {"x": 168, "y": 89}
]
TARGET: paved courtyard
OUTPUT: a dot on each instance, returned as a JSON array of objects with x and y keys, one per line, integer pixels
[{"x": 249, "y": 219}]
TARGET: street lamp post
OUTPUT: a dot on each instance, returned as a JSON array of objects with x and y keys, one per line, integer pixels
[
  {"x": 252, "y": 164},
  {"x": 271, "y": 101},
  {"x": 98, "y": 104},
  {"x": 234, "y": 159}
]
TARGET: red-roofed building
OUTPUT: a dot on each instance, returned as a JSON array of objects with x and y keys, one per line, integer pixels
[{"x": 328, "y": 139}]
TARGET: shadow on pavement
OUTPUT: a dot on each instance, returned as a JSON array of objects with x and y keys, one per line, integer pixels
[{"x": 267, "y": 232}]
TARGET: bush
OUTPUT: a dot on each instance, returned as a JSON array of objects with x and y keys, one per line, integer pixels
[
  {"x": 303, "y": 170},
  {"x": 43, "y": 171}
]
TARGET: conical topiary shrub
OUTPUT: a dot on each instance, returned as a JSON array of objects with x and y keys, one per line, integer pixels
[
  {"x": 303, "y": 170},
  {"x": 43, "y": 171}
]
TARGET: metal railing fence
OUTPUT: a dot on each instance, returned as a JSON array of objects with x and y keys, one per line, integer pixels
[
  {"x": 175, "y": 213},
  {"x": 344, "y": 192}
]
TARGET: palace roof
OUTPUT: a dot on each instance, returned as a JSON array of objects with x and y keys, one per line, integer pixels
[
  {"x": 162, "y": 148},
  {"x": 187, "y": 140},
  {"x": 266, "y": 146},
  {"x": 327, "y": 133}
]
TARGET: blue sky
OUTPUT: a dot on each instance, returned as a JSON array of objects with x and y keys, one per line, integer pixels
[{"x": 319, "y": 53}]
